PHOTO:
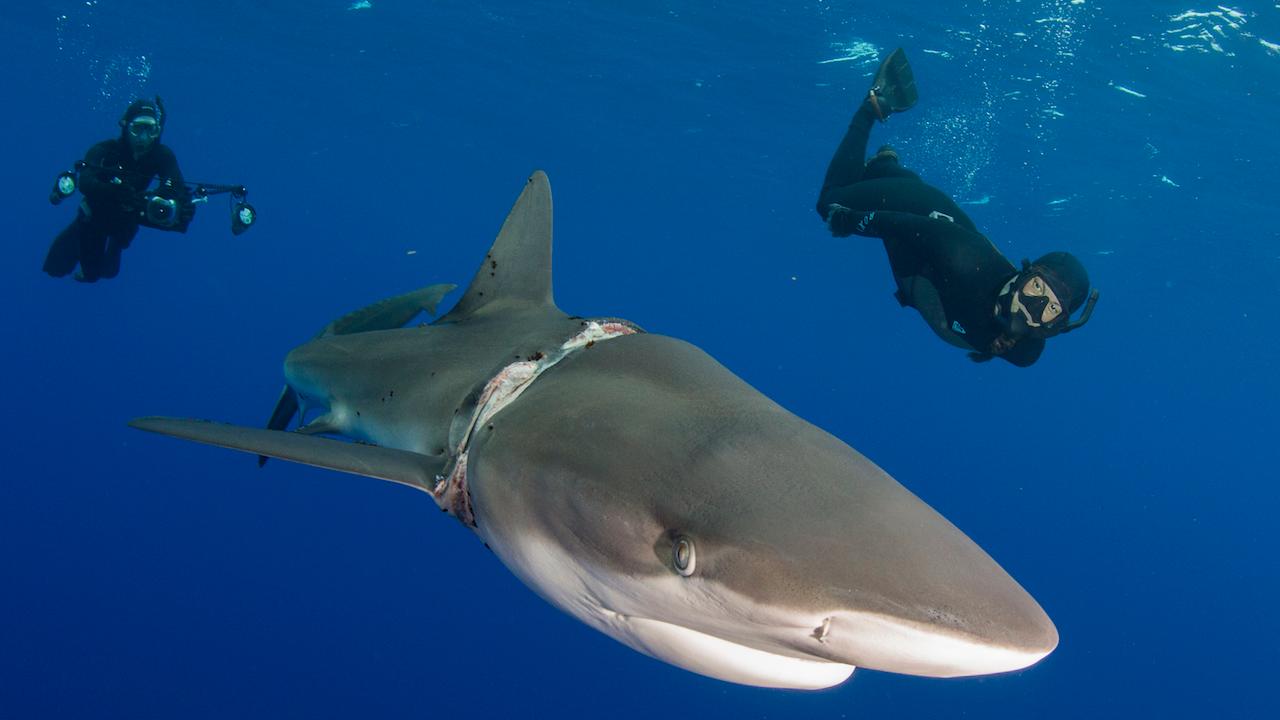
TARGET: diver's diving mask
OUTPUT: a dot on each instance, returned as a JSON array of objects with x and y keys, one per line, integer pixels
[
  {"x": 144, "y": 129},
  {"x": 1036, "y": 302}
]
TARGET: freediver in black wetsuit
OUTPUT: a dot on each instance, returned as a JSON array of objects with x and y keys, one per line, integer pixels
[
  {"x": 968, "y": 293},
  {"x": 113, "y": 181}
]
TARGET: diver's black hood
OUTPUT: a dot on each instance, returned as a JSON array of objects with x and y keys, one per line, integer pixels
[{"x": 1066, "y": 275}]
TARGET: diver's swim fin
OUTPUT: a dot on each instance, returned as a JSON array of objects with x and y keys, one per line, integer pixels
[{"x": 894, "y": 89}]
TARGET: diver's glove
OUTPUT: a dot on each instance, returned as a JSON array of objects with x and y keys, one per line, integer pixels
[{"x": 844, "y": 221}]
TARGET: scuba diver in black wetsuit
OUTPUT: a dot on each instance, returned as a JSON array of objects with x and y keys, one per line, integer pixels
[
  {"x": 968, "y": 293},
  {"x": 113, "y": 178}
]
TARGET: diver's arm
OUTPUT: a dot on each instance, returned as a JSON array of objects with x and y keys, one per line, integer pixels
[
  {"x": 1025, "y": 352},
  {"x": 170, "y": 172},
  {"x": 168, "y": 166},
  {"x": 96, "y": 178}
]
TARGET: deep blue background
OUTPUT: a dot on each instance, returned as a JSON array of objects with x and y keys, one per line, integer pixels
[{"x": 1127, "y": 480}]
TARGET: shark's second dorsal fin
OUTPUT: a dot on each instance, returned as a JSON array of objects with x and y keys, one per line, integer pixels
[{"x": 517, "y": 269}]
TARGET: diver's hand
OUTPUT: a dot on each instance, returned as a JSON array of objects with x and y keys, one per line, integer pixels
[
  {"x": 835, "y": 219},
  {"x": 843, "y": 221},
  {"x": 186, "y": 212}
]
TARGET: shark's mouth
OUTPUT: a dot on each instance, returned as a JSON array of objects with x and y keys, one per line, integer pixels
[
  {"x": 450, "y": 491},
  {"x": 724, "y": 659}
]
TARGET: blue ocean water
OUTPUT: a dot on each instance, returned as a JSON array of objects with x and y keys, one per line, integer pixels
[{"x": 1127, "y": 480}]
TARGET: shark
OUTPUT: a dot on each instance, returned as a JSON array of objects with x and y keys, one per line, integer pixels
[{"x": 638, "y": 485}]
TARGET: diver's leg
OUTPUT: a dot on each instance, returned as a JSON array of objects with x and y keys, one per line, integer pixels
[
  {"x": 887, "y": 186},
  {"x": 117, "y": 243},
  {"x": 850, "y": 160},
  {"x": 93, "y": 241},
  {"x": 885, "y": 164},
  {"x": 64, "y": 252}
]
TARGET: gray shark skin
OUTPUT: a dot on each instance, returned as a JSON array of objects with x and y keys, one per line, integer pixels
[
  {"x": 638, "y": 485},
  {"x": 393, "y": 312}
]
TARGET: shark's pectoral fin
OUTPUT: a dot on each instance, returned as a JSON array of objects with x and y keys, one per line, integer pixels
[
  {"x": 286, "y": 408},
  {"x": 400, "y": 466}
]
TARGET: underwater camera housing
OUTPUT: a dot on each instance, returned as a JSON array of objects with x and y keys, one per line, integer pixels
[
  {"x": 161, "y": 212},
  {"x": 166, "y": 208},
  {"x": 170, "y": 206}
]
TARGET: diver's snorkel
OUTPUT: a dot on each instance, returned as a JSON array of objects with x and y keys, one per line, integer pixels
[{"x": 1084, "y": 315}]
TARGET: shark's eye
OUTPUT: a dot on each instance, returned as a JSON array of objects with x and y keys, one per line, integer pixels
[{"x": 683, "y": 557}]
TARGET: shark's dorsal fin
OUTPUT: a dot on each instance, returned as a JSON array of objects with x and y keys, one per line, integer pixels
[{"x": 517, "y": 269}]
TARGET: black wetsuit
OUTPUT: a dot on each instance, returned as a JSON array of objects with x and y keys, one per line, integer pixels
[
  {"x": 110, "y": 212},
  {"x": 945, "y": 269}
]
